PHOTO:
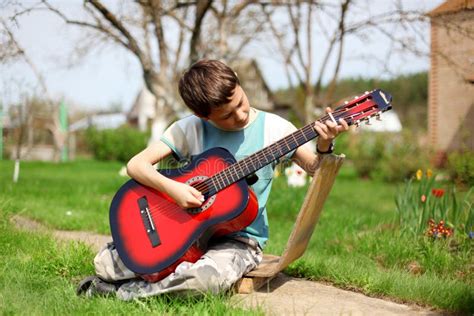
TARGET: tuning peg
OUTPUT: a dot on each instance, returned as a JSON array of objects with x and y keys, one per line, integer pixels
[
  {"x": 378, "y": 116},
  {"x": 357, "y": 123},
  {"x": 346, "y": 102},
  {"x": 368, "y": 121},
  {"x": 356, "y": 97},
  {"x": 366, "y": 92}
]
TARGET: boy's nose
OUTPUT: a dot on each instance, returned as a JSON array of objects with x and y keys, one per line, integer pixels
[{"x": 241, "y": 115}]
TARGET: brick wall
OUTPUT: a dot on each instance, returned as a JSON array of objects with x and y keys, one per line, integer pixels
[{"x": 451, "y": 90}]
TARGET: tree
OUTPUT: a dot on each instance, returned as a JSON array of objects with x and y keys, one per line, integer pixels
[
  {"x": 334, "y": 23},
  {"x": 165, "y": 37},
  {"x": 13, "y": 50}
]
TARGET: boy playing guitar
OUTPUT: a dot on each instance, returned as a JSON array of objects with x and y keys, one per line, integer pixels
[{"x": 223, "y": 118}]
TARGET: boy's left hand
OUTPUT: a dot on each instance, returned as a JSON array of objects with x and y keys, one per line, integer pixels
[{"x": 329, "y": 131}]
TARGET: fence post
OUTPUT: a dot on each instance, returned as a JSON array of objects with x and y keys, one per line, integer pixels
[
  {"x": 1, "y": 131},
  {"x": 64, "y": 128}
]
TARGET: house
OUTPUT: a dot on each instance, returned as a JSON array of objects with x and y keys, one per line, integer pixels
[
  {"x": 148, "y": 115},
  {"x": 254, "y": 84},
  {"x": 99, "y": 121},
  {"x": 451, "y": 80}
]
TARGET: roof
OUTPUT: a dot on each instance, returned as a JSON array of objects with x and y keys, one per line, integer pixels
[
  {"x": 144, "y": 102},
  {"x": 451, "y": 6},
  {"x": 241, "y": 66},
  {"x": 99, "y": 121}
]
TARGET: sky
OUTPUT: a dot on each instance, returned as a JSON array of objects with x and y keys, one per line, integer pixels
[{"x": 112, "y": 77}]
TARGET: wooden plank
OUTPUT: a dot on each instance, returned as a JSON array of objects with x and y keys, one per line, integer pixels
[
  {"x": 248, "y": 285},
  {"x": 267, "y": 267},
  {"x": 308, "y": 216}
]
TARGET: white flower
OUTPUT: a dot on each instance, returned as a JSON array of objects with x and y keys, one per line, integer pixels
[{"x": 296, "y": 176}]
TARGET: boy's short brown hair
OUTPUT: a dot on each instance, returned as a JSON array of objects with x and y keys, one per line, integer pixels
[{"x": 207, "y": 84}]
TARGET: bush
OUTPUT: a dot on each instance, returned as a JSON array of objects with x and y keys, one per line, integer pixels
[
  {"x": 386, "y": 156},
  {"x": 116, "y": 144},
  {"x": 461, "y": 167}
]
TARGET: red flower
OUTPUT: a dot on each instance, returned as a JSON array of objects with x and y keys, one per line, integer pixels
[
  {"x": 438, "y": 230},
  {"x": 437, "y": 192}
]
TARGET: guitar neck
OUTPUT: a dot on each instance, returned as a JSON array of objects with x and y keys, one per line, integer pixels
[
  {"x": 353, "y": 112},
  {"x": 260, "y": 159}
]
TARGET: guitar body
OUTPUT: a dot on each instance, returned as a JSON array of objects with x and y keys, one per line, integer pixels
[{"x": 153, "y": 234}]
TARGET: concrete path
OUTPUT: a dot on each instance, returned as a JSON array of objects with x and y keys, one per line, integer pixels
[
  {"x": 283, "y": 296},
  {"x": 291, "y": 296}
]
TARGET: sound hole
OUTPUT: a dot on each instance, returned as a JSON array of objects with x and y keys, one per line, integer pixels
[{"x": 194, "y": 182}]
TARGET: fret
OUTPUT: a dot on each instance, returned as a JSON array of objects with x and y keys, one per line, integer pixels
[
  {"x": 304, "y": 136},
  {"x": 241, "y": 172},
  {"x": 300, "y": 138},
  {"x": 294, "y": 138},
  {"x": 229, "y": 174},
  {"x": 218, "y": 180},
  {"x": 280, "y": 150},
  {"x": 264, "y": 159},
  {"x": 247, "y": 169},
  {"x": 286, "y": 143},
  {"x": 249, "y": 164}
]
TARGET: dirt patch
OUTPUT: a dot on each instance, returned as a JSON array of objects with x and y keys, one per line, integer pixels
[
  {"x": 95, "y": 241},
  {"x": 284, "y": 295}
]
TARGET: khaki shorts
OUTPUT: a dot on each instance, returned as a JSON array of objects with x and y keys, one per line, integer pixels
[{"x": 225, "y": 262}]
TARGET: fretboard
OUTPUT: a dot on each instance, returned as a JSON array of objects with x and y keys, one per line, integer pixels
[{"x": 260, "y": 159}]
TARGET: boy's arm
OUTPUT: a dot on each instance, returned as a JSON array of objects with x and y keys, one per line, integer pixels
[
  {"x": 328, "y": 131},
  {"x": 140, "y": 168}
]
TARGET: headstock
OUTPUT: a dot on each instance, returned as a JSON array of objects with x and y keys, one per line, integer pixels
[{"x": 364, "y": 108}]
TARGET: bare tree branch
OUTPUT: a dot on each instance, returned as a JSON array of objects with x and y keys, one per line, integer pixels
[
  {"x": 156, "y": 14},
  {"x": 131, "y": 42},
  {"x": 97, "y": 27},
  {"x": 201, "y": 9},
  {"x": 332, "y": 84}
]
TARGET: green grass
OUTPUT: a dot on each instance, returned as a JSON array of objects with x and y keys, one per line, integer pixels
[
  {"x": 38, "y": 276},
  {"x": 70, "y": 196},
  {"x": 356, "y": 244}
]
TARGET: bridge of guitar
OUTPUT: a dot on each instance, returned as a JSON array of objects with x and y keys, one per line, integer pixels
[{"x": 148, "y": 223}]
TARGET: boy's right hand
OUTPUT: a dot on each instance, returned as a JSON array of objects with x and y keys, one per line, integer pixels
[{"x": 184, "y": 195}]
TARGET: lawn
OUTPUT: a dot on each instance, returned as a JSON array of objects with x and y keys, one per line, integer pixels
[{"x": 356, "y": 244}]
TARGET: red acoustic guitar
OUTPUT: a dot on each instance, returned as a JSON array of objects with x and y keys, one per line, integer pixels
[{"x": 153, "y": 234}]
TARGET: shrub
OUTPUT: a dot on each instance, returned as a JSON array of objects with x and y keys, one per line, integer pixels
[
  {"x": 386, "y": 156},
  {"x": 116, "y": 144},
  {"x": 461, "y": 167}
]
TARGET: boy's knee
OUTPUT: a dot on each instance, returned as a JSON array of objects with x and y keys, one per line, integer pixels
[
  {"x": 109, "y": 266},
  {"x": 202, "y": 276}
]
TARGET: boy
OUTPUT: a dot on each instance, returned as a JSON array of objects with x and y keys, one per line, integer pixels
[{"x": 222, "y": 117}]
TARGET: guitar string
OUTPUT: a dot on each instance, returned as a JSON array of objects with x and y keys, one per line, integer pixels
[
  {"x": 202, "y": 185},
  {"x": 257, "y": 159}
]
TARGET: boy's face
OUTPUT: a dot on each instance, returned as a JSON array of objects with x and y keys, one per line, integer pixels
[{"x": 233, "y": 115}]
